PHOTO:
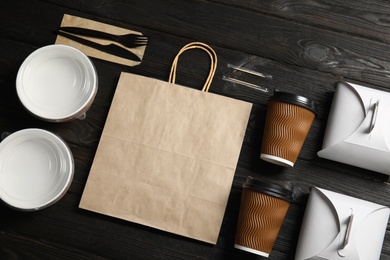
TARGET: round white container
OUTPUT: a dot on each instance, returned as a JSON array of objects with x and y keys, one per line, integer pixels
[
  {"x": 36, "y": 169},
  {"x": 57, "y": 83}
]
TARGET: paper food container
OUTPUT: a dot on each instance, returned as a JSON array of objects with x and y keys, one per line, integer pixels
[
  {"x": 57, "y": 83},
  {"x": 358, "y": 128},
  {"x": 337, "y": 226},
  {"x": 36, "y": 169}
]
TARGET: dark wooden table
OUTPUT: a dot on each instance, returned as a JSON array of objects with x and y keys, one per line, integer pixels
[{"x": 306, "y": 45}]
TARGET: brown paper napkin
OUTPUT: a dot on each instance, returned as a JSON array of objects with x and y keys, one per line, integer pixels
[{"x": 69, "y": 20}]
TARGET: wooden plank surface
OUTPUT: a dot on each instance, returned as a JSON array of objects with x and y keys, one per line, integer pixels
[{"x": 306, "y": 45}]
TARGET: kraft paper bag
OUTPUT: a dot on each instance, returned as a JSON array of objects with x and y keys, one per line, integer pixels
[
  {"x": 70, "y": 20},
  {"x": 167, "y": 156}
]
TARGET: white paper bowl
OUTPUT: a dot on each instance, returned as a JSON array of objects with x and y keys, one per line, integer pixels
[
  {"x": 57, "y": 83},
  {"x": 36, "y": 169}
]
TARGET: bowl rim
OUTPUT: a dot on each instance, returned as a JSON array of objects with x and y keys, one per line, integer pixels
[
  {"x": 84, "y": 106},
  {"x": 49, "y": 136}
]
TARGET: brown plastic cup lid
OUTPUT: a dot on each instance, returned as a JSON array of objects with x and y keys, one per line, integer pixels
[
  {"x": 296, "y": 100},
  {"x": 268, "y": 188}
]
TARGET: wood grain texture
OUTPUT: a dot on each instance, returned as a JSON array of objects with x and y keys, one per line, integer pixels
[
  {"x": 266, "y": 36},
  {"x": 306, "y": 46},
  {"x": 365, "y": 19}
]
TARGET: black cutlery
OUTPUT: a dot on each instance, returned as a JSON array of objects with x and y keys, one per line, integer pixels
[
  {"x": 130, "y": 40},
  {"x": 110, "y": 48}
]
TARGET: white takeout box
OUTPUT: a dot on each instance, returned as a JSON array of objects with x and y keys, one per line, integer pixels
[
  {"x": 337, "y": 226},
  {"x": 358, "y": 128}
]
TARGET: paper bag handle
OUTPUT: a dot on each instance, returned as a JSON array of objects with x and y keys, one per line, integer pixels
[{"x": 213, "y": 65}]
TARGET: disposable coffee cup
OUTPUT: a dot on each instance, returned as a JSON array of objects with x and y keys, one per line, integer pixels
[
  {"x": 262, "y": 211},
  {"x": 288, "y": 121}
]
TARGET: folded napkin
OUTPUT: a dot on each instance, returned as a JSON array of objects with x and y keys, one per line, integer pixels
[{"x": 69, "y": 20}]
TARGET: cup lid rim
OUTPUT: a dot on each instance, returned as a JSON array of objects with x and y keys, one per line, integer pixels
[
  {"x": 296, "y": 100},
  {"x": 269, "y": 188}
]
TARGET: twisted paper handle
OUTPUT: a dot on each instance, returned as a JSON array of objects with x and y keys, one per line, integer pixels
[{"x": 213, "y": 65}]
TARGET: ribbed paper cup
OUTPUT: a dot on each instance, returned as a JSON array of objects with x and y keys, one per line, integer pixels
[
  {"x": 262, "y": 211},
  {"x": 288, "y": 121}
]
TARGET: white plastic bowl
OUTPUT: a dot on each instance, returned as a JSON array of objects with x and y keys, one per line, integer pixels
[
  {"x": 57, "y": 83},
  {"x": 36, "y": 169}
]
